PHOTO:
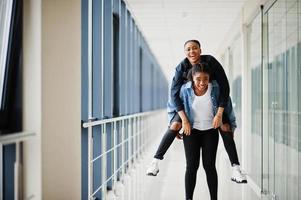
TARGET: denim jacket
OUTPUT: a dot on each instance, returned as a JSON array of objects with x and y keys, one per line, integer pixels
[
  {"x": 187, "y": 96},
  {"x": 180, "y": 78}
]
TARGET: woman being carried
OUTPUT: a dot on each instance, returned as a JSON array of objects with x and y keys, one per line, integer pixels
[{"x": 200, "y": 98}]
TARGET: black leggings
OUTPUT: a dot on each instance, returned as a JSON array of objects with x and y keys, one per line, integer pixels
[
  {"x": 208, "y": 141},
  {"x": 165, "y": 143},
  {"x": 230, "y": 147},
  {"x": 227, "y": 137}
]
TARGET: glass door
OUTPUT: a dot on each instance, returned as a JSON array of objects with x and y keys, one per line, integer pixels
[{"x": 281, "y": 103}]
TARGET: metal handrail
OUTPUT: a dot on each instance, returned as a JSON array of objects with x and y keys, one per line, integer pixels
[
  {"x": 15, "y": 137},
  {"x": 134, "y": 126},
  {"x": 115, "y": 119}
]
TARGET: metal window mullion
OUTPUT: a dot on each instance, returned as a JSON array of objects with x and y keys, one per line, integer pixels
[
  {"x": 135, "y": 159},
  {"x": 129, "y": 143},
  {"x": 104, "y": 161},
  {"x": 90, "y": 163},
  {"x": 150, "y": 124},
  {"x": 115, "y": 155},
  {"x": 102, "y": 59},
  {"x": 137, "y": 138},
  {"x": 142, "y": 131},
  {"x": 134, "y": 139},
  {"x": 90, "y": 99},
  {"x": 90, "y": 59},
  {"x": 17, "y": 173},
  {"x": 140, "y": 134},
  {"x": 145, "y": 130},
  {"x": 122, "y": 149}
]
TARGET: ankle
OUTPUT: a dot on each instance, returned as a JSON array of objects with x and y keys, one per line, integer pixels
[{"x": 156, "y": 160}]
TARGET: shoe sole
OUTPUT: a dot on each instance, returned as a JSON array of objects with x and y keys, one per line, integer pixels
[
  {"x": 152, "y": 174},
  {"x": 236, "y": 181}
]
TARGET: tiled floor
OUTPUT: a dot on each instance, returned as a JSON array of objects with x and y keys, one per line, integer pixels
[{"x": 169, "y": 183}]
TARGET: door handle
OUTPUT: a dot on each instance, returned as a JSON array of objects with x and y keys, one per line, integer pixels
[{"x": 274, "y": 104}]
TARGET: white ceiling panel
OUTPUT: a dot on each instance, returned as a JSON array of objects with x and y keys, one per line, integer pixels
[{"x": 167, "y": 24}]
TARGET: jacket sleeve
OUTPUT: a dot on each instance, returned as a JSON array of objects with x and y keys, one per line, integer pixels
[
  {"x": 176, "y": 84},
  {"x": 221, "y": 78}
]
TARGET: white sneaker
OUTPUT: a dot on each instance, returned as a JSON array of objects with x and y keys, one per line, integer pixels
[
  {"x": 153, "y": 168},
  {"x": 237, "y": 176}
]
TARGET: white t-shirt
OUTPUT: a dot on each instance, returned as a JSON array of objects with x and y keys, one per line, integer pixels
[{"x": 202, "y": 110}]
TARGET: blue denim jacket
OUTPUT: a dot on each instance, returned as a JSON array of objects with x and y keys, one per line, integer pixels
[
  {"x": 180, "y": 78},
  {"x": 187, "y": 96}
]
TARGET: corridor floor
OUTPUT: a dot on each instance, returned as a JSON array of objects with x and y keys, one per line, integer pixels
[{"x": 169, "y": 183}]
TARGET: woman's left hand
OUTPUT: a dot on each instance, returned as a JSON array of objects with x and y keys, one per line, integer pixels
[
  {"x": 186, "y": 127},
  {"x": 217, "y": 121}
]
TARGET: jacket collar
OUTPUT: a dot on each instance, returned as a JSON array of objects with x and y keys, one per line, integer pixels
[{"x": 188, "y": 85}]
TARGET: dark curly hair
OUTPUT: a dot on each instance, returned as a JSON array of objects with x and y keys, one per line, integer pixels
[
  {"x": 198, "y": 68},
  {"x": 195, "y": 41}
]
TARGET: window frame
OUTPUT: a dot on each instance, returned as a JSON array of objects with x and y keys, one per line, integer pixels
[{"x": 11, "y": 103}]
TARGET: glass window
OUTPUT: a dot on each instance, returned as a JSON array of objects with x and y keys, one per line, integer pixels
[
  {"x": 5, "y": 21},
  {"x": 116, "y": 74},
  {"x": 283, "y": 99},
  {"x": 10, "y": 66}
]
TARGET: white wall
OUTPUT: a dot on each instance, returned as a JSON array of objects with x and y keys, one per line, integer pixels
[
  {"x": 52, "y": 98},
  {"x": 249, "y": 10}
]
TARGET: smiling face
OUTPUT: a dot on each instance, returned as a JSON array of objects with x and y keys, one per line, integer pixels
[
  {"x": 200, "y": 82},
  {"x": 192, "y": 52}
]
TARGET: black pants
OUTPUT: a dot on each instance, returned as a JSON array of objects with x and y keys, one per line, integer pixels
[
  {"x": 165, "y": 143},
  {"x": 230, "y": 146},
  {"x": 228, "y": 140},
  {"x": 167, "y": 139},
  {"x": 207, "y": 141}
]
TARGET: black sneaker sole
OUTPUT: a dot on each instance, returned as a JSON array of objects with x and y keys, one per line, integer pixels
[
  {"x": 239, "y": 182},
  {"x": 151, "y": 174}
]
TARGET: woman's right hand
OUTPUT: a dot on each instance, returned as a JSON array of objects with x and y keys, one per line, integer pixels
[
  {"x": 185, "y": 123},
  {"x": 186, "y": 127}
]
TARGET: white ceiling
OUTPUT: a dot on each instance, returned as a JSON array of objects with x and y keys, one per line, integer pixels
[{"x": 167, "y": 24}]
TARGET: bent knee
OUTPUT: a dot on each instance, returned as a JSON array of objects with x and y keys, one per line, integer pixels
[{"x": 175, "y": 126}]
